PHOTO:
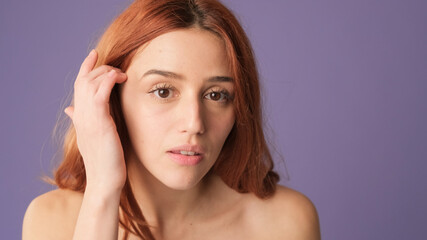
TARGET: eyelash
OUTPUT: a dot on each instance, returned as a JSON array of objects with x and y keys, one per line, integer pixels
[
  {"x": 225, "y": 95},
  {"x": 162, "y": 86}
]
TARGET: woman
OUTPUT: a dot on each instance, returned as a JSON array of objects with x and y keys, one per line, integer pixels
[{"x": 166, "y": 139}]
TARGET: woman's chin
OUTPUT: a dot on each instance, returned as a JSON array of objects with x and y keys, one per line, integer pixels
[{"x": 181, "y": 182}]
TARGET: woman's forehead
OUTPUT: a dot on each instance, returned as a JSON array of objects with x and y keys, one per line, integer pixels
[{"x": 188, "y": 49}]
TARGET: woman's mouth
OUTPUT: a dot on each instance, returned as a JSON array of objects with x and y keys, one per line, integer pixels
[
  {"x": 185, "y": 158},
  {"x": 187, "y": 155}
]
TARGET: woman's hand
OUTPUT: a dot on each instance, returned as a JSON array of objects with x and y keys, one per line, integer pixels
[{"x": 97, "y": 137}]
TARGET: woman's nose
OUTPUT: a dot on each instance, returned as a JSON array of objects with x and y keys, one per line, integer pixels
[{"x": 192, "y": 117}]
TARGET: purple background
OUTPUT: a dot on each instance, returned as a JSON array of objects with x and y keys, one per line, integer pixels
[{"x": 345, "y": 86}]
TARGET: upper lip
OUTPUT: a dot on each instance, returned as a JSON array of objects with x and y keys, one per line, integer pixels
[{"x": 188, "y": 148}]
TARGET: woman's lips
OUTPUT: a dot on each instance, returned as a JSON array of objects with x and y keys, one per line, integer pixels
[
  {"x": 185, "y": 158},
  {"x": 187, "y": 154}
]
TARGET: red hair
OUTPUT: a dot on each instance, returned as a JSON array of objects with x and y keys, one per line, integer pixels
[{"x": 245, "y": 163}]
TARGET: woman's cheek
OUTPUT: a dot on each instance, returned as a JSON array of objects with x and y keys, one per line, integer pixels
[
  {"x": 151, "y": 119},
  {"x": 221, "y": 122},
  {"x": 159, "y": 116},
  {"x": 154, "y": 109}
]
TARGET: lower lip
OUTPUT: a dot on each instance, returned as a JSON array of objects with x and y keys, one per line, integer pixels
[{"x": 185, "y": 159}]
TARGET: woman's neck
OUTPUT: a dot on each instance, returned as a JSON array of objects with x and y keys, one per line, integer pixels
[{"x": 162, "y": 206}]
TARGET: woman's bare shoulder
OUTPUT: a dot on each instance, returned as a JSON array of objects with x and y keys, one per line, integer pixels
[
  {"x": 52, "y": 215},
  {"x": 288, "y": 214}
]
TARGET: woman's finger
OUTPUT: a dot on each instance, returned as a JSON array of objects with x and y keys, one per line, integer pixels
[
  {"x": 107, "y": 84},
  {"x": 69, "y": 111},
  {"x": 89, "y": 63},
  {"x": 97, "y": 72}
]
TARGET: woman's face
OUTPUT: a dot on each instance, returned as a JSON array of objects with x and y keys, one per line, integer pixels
[{"x": 177, "y": 104}]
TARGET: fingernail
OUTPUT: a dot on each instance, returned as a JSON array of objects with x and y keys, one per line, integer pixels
[{"x": 92, "y": 52}]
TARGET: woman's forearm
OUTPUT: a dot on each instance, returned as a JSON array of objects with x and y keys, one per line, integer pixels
[{"x": 99, "y": 216}]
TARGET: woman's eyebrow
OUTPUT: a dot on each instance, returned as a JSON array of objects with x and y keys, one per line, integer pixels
[{"x": 177, "y": 76}]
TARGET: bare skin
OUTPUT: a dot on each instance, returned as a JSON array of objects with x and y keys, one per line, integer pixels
[
  {"x": 166, "y": 114},
  {"x": 287, "y": 215}
]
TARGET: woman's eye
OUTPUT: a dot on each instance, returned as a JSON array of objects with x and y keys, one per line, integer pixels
[
  {"x": 217, "y": 96},
  {"x": 163, "y": 93}
]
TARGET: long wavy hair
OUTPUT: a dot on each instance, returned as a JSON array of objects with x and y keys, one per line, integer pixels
[{"x": 245, "y": 163}]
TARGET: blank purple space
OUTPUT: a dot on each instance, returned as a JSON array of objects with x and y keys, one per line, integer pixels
[{"x": 345, "y": 90}]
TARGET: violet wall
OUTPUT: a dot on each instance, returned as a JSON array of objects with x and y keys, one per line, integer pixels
[{"x": 345, "y": 86}]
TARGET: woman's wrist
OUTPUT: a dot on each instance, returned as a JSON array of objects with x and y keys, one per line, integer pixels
[
  {"x": 99, "y": 214},
  {"x": 100, "y": 193}
]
